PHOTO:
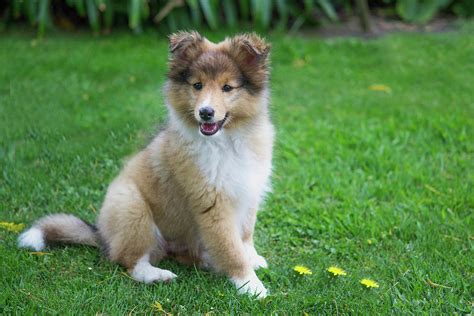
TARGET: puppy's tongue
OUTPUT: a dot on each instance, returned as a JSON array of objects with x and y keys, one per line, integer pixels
[{"x": 209, "y": 128}]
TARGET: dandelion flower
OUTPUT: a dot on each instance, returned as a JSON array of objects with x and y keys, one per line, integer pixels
[
  {"x": 16, "y": 228},
  {"x": 336, "y": 271},
  {"x": 302, "y": 270},
  {"x": 369, "y": 283}
]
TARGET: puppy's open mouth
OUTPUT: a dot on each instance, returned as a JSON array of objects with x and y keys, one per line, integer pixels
[{"x": 209, "y": 129}]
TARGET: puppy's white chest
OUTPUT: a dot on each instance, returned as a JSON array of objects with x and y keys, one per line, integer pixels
[{"x": 233, "y": 169}]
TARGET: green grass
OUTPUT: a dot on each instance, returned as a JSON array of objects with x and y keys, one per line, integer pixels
[{"x": 351, "y": 164}]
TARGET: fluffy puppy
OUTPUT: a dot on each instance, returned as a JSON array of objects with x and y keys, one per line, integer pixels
[{"x": 194, "y": 191}]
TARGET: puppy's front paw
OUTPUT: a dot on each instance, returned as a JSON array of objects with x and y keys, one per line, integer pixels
[
  {"x": 259, "y": 262},
  {"x": 250, "y": 285},
  {"x": 256, "y": 260}
]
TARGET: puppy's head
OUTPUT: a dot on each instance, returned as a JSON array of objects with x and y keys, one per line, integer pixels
[{"x": 214, "y": 87}]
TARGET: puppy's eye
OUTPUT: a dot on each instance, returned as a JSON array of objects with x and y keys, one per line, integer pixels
[
  {"x": 227, "y": 88},
  {"x": 197, "y": 86}
]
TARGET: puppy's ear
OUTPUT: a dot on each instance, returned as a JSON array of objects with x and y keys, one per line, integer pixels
[
  {"x": 185, "y": 47},
  {"x": 181, "y": 42},
  {"x": 251, "y": 53},
  {"x": 250, "y": 50}
]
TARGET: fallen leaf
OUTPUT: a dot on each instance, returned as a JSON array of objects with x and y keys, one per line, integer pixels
[
  {"x": 40, "y": 253},
  {"x": 157, "y": 306},
  {"x": 127, "y": 275},
  {"x": 380, "y": 87},
  {"x": 298, "y": 63},
  {"x": 432, "y": 284},
  {"x": 429, "y": 187}
]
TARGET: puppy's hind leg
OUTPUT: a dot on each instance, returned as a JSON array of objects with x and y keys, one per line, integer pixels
[{"x": 130, "y": 235}]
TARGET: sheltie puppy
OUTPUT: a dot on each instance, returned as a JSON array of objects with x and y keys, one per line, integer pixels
[{"x": 194, "y": 191}]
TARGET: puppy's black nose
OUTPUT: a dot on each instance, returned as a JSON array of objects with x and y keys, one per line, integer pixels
[{"x": 206, "y": 113}]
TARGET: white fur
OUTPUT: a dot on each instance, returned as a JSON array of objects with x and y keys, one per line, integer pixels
[
  {"x": 160, "y": 239},
  {"x": 33, "y": 238},
  {"x": 145, "y": 272},
  {"x": 250, "y": 285},
  {"x": 234, "y": 168},
  {"x": 256, "y": 260}
]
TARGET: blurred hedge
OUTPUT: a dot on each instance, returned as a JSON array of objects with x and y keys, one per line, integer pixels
[{"x": 170, "y": 15}]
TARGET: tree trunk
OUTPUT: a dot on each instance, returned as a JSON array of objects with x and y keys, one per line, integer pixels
[{"x": 364, "y": 15}]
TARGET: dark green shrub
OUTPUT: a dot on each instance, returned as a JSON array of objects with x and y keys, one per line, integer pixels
[
  {"x": 420, "y": 11},
  {"x": 170, "y": 15},
  {"x": 464, "y": 8}
]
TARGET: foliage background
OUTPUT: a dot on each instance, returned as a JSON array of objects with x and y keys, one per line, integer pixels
[{"x": 170, "y": 15}]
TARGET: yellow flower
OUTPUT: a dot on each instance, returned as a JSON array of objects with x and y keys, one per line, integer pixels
[
  {"x": 380, "y": 87},
  {"x": 369, "y": 283},
  {"x": 302, "y": 270},
  {"x": 16, "y": 228},
  {"x": 336, "y": 271}
]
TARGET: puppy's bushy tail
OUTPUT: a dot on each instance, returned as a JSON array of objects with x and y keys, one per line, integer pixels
[{"x": 59, "y": 228}]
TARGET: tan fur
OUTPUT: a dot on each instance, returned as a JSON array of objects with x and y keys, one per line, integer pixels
[{"x": 161, "y": 203}]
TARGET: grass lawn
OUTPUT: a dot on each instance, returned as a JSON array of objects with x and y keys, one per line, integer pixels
[{"x": 380, "y": 183}]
